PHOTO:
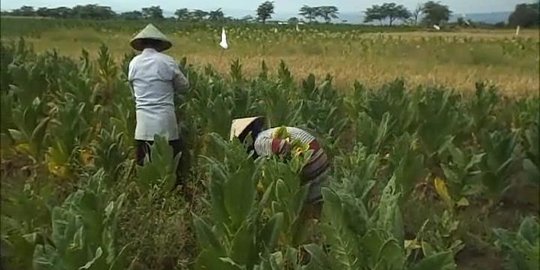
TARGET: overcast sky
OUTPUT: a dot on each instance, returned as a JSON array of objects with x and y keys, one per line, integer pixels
[{"x": 281, "y": 6}]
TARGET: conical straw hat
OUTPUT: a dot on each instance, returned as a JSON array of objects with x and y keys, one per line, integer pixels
[
  {"x": 150, "y": 32},
  {"x": 240, "y": 125}
]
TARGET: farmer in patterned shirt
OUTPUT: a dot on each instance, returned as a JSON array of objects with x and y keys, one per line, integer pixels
[
  {"x": 155, "y": 79},
  {"x": 269, "y": 142}
]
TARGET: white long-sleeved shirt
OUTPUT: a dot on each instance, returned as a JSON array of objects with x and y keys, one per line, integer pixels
[{"x": 154, "y": 78}]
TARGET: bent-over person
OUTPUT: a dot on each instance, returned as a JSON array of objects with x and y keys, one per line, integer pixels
[{"x": 267, "y": 142}]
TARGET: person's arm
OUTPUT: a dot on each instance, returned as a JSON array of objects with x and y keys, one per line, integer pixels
[
  {"x": 130, "y": 77},
  {"x": 180, "y": 82},
  {"x": 266, "y": 146}
]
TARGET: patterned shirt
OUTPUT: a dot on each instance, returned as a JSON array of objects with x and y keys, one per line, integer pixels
[
  {"x": 264, "y": 141},
  {"x": 314, "y": 172},
  {"x": 155, "y": 77}
]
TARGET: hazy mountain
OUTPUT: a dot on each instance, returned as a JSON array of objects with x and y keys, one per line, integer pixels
[{"x": 493, "y": 17}]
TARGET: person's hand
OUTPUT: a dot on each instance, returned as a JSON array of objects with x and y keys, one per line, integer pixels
[{"x": 285, "y": 149}]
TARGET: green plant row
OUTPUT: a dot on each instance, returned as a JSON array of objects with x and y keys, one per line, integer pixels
[{"x": 409, "y": 168}]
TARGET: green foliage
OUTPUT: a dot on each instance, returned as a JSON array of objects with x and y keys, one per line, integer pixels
[
  {"x": 153, "y": 12},
  {"x": 497, "y": 164},
  {"x": 109, "y": 152},
  {"x": 310, "y": 13},
  {"x": 67, "y": 123},
  {"x": 371, "y": 237},
  {"x": 327, "y": 13},
  {"x": 265, "y": 11},
  {"x": 435, "y": 13},
  {"x": 26, "y": 219},
  {"x": 525, "y": 15},
  {"x": 387, "y": 11},
  {"x": 462, "y": 170},
  {"x": 159, "y": 169},
  {"x": 522, "y": 247},
  {"x": 246, "y": 223},
  {"x": 531, "y": 162},
  {"x": 83, "y": 232}
]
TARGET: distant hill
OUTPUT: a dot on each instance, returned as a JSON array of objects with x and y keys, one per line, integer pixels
[{"x": 492, "y": 18}]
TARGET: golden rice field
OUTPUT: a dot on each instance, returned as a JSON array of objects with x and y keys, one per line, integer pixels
[{"x": 456, "y": 59}]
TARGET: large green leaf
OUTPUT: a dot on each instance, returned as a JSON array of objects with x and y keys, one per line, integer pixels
[
  {"x": 244, "y": 250},
  {"x": 389, "y": 215},
  {"x": 530, "y": 230},
  {"x": 271, "y": 231},
  {"x": 239, "y": 192},
  {"x": 438, "y": 261},
  {"x": 318, "y": 259},
  {"x": 206, "y": 237}
]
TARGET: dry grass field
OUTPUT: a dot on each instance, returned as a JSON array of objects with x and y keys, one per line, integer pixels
[{"x": 456, "y": 59}]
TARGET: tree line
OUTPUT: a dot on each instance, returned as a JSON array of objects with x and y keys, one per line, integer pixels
[
  {"x": 435, "y": 13},
  {"x": 428, "y": 13}
]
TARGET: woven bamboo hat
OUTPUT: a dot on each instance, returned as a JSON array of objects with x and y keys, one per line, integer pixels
[
  {"x": 241, "y": 125},
  {"x": 150, "y": 32}
]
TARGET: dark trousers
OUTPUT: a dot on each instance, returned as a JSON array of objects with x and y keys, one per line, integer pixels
[{"x": 143, "y": 149}]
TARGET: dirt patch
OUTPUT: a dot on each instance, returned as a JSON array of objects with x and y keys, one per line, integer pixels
[{"x": 473, "y": 259}]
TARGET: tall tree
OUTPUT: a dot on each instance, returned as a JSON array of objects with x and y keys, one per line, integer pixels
[
  {"x": 327, "y": 13},
  {"x": 374, "y": 13},
  {"x": 525, "y": 15},
  {"x": 416, "y": 13},
  {"x": 131, "y": 15},
  {"x": 310, "y": 13},
  {"x": 182, "y": 14},
  {"x": 387, "y": 11},
  {"x": 153, "y": 12},
  {"x": 396, "y": 12},
  {"x": 216, "y": 15},
  {"x": 435, "y": 13},
  {"x": 293, "y": 20},
  {"x": 104, "y": 12},
  {"x": 93, "y": 12},
  {"x": 265, "y": 11},
  {"x": 26, "y": 11},
  {"x": 61, "y": 12},
  {"x": 198, "y": 15},
  {"x": 43, "y": 12}
]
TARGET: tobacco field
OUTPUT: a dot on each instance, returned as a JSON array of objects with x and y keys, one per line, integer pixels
[{"x": 421, "y": 178}]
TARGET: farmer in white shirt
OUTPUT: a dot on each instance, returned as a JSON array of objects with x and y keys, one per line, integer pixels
[{"x": 155, "y": 77}]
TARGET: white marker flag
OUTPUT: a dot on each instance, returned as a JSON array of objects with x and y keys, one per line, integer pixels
[
  {"x": 467, "y": 22},
  {"x": 517, "y": 30},
  {"x": 436, "y": 27},
  {"x": 297, "y": 28},
  {"x": 223, "y": 42}
]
